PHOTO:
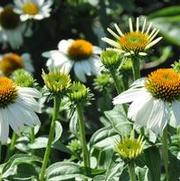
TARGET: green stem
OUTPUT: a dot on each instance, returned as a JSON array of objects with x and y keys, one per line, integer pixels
[
  {"x": 165, "y": 151},
  {"x": 11, "y": 146},
  {"x": 50, "y": 139},
  {"x": 83, "y": 137},
  {"x": 135, "y": 67},
  {"x": 32, "y": 135},
  {"x": 117, "y": 82},
  {"x": 0, "y": 150},
  {"x": 132, "y": 173}
]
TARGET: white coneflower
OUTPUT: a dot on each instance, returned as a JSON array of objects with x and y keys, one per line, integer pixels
[
  {"x": 79, "y": 54},
  {"x": 153, "y": 99},
  {"x": 11, "y": 29},
  {"x": 33, "y": 9},
  {"x": 136, "y": 41},
  {"x": 9, "y": 62},
  {"x": 17, "y": 108}
]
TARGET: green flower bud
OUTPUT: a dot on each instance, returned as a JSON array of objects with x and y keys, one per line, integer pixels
[
  {"x": 79, "y": 93},
  {"x": 102, "y": 81},
  {"x": 130, "y": 148},
  {"x": 22, "y": 78},
  {"x": 111, "y": 59},
  {"x": 75, "y": 146},
  {"x": 56, "y": 81}
]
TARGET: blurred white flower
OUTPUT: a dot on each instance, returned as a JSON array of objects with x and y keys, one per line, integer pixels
[
  {"x": 17, "y": 108},
  {"x": 11, "y": 29},
  {"x": 79, "y": 54},
  {"x": 33, "y": 9},
  {"x": 10, "y": 62},
  {"x": 154, "y": 100}
]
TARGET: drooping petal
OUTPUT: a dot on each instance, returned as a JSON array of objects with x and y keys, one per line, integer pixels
[
  {"x": 79, "y": 72},
  {"x": 176, "y": 111},
  {"x": 128, "y": 96}
]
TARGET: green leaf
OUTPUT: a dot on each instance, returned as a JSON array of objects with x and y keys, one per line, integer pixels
[
  {"x": 73, "y": 124},
  {"x": 104, "y": 138},
  {"x": 63, "y": 171},
  {"x": 58, "y": 131},
  {"x": 167, "y": 21},
  {"x": 41, "y": 142},
  {"x": 174, "y": 168},
  {"x": 118, "y": 120},
  {"x": 10, "y": 167},
  {"x": 112, "y": 173},
  {"x": 170, "y": 11},
  {"x": 142, "y": 173},
  {"x": 153, "y": 162}
]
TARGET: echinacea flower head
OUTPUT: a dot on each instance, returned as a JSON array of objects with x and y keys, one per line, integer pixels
[
  {"x": 154, "y": 100},
  {"x": 78, "y": 54},
  {"x": 130, "y": 148},
  {"x": 33, "y": 9},
  {"x": 17, "y": 108},
  {"x": 10, "y": 62},
  {"x": 22, "y": 78},
  {"x": 79, "y": 93},
  {"x": 134, "y": 42},
  {"x": 57, "y": 82},
  {"x": 11, "y": 29}
]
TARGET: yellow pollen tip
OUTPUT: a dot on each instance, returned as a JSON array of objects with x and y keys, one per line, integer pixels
[
  {"x": 30, "y": 8},
  {"x": 8, "y": 92},
  {"x": 10, "y": 62},
  {"x": 164, "y": 84},
  {"x": 134, "y": 41},
  {"x": 80, "y": 49}
]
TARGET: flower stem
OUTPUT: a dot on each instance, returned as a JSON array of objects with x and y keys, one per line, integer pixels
[
  {"x": 50, "y": 139},
  {"x": 117, "y": 82},
  {"x": 135, "y": 67},
  {"x": 11, "y": 146},
  {"x": 86, "y": 158},
  {"x": 132, "y": 173},
  {"x": 165, "y": 151},
  {"x": 32, "y": 135}
]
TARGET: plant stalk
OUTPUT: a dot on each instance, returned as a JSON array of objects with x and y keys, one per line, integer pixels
[
  {"x": 165, "y": 152},
  {"x": 85, "y": 151},
  {"x": 132, "y": 173},
  {"x": 135, "y": 67},
  {"x": 117, "y": 82},
  {"x": 50, "y": 139}
]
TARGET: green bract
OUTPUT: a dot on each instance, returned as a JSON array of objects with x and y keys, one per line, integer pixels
[
  {"x": 78, "y": 93},
  {"x": 111, "y": 59},
  {"x": 56, "y": 81},
  {"x": 22, "y": 78}
]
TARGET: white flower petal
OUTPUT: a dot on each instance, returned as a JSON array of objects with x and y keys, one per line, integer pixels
[
  {"x": 158, "y": 117},
  {"x": 29, "y": 92},
  {"x": 128, "y": 96},
  {"x": 176, "y": 111},
  {"x": 4, "y": 128},
  {"x": 78, "y": 70},
  {"x": 63, "y": 45}
]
